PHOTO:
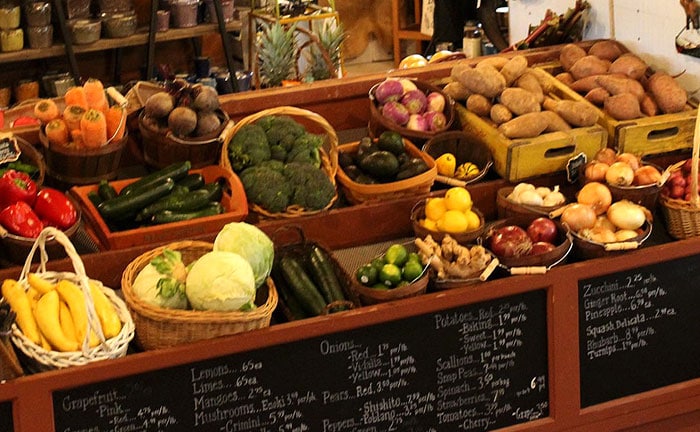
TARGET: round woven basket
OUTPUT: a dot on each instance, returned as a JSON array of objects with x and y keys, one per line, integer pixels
[
  {"x": 314, "y": 123},
  {"x": 158, "y": 327},
  {"x": 507, "y": 208},
  {"x": 464, "y": 150},
  {"x": 682, "y": 216},
  {"x": 39, "y": 359},
  {"x": 359, "y": 192}
]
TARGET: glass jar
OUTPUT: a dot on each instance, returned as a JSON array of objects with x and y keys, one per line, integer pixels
[
  {"x": 471, "y": 42},
  {"x": 12, "y": 40},
  {"x": 38, "y": 14},
  {"x": 184, "y": 13},
  {"x": 40, "y": 36},
  {"x": 9, "y": 15}
]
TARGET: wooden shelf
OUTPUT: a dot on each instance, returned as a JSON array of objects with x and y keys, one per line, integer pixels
[
  {"x": 409, "y": 31},
  {"x": 139, "y": 38}
]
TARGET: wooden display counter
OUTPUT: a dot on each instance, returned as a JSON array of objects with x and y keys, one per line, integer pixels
[{"x": 604, "y": 344}]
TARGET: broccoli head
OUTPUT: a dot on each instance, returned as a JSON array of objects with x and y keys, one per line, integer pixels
[
  {"x": 311, "y": 187},
  {"x": 266, "y": 187},
  {"x": 281, "y": 130},
  {"x": 278, "y": 152},
  {"x": 248, "y": 147},
  {"x": 306, "y": 149}
]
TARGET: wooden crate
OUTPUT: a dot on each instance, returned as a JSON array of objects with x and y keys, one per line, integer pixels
[
  {"x": 647, "y": 135},
  {"x": 520, "y": 159},
  {"x": 234, "y": 202}
]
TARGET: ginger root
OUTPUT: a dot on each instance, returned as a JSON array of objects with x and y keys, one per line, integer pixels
[{"x": 451, "y": 260}]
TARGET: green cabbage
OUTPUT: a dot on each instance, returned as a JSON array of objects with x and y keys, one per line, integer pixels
[
  {"x": 221, "y": 281},
  {"x": 162, "y": 281},
  {"x": 251, "y": 243}
]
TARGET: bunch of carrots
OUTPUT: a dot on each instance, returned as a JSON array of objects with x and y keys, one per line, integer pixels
[{"x": 88, "y": 121}]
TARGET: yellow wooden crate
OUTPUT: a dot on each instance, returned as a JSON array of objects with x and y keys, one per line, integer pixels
[
  {"x": 647, "y": 135},
  {"x": 520, "y": 159}
]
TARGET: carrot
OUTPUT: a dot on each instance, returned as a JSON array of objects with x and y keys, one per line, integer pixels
[
  {"x": 72, "y": 115},
  {"x": 95, "y": 94},
  {"x": 46, "y": 110},
  {"x": 93, "y": 126},
  {"x": 76, "y": 96},
  {"x": 57, "y": 132},
  {"x": 76, "y": 136},
  {"x": 115, "y": 127}
]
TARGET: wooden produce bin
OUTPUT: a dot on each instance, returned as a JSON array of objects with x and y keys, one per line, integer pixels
[{"x": 526, "y": 353}]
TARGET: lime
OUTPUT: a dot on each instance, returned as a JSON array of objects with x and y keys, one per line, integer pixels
[
  {"x": 380, "y": 286},
  {"x": 402, "y": 283},
  {"x": 378, "y": 263},
  {"x": 367, "y": 274},
  {"x": 396, "y": 254},
  {"x": 411, "y": 271},
  {"x": 390, "y": 275},
  {"x": 413, "y": 256}
]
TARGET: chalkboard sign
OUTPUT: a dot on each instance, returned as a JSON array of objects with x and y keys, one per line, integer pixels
[
  {"x": 6, "y": 423},
  {"x": 639, "y": 329},
  {"x": 471, "y": 368},
  {"x": 9, "y": 149}
]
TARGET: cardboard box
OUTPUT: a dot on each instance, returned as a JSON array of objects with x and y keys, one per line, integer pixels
[{"x": 234, "y": 202}]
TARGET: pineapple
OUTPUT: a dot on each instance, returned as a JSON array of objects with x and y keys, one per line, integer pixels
[
  {"x": 328, "y": 49},
  {"x": 277, "y": 54}
]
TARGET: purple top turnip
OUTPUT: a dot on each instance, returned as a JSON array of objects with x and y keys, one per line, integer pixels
[
  {"x": 436, "y": 102},
  {"x": 415, "y": 101},
  {"x": 418, "y": 123},
  {"x": 436, "y": 120},
  {"x": 388, "y": 90},
  {"x": 395, "y": 112}
]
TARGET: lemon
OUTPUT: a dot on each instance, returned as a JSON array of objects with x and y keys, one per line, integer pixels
[
  {"x": 435, "y": 208},
  {"x": 473, "y": 220},
  {"x": 458, "y": 198},
  {"x": 429, "y": 224},
  {"x": 453, "y": 222},
  {"x": 446, "y": 164}
]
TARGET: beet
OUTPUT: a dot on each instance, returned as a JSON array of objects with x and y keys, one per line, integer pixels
[
  {"x": 159, "y": 105},
  {"x": 182, "y": 121},
  {"x": 205, "y": 98},
  {"x": 207, "y": 122}
]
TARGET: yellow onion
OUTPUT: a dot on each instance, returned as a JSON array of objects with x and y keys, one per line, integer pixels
[
  {"x": 624, "y": 234},
  {"x": 599, "y": 234},
  {"x": 578, "y": 216},
  {"x": 619, "y": 174},
  {"x": 604, "y": 222},
  {"x": 596, "y": 195},
  {"x": 626, "y": 215},
  {"x": 595, "y": 171}
]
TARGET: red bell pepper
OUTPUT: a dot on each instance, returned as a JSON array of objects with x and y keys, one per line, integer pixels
[
  {"x": 16, "y": 186},
  {"x": 55, "y": 209},
  {"x": 19, "y": 219}
]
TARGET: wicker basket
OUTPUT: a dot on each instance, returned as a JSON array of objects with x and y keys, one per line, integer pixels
[
  {"x": 507, "y": 208},
  {"x": 39, "y": 359},
  {"x": 314, "y": 123},
  {"x": 464, "y": 150},
  {"x": 298, "y": 245},
  {"x": 420, "y": 184},
  {"x": 682, "y": 217},
  {"x": 158, "y": 327}
]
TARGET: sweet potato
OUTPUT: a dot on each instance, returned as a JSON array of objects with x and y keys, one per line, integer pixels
[
  {"x": 555, "y": 122},
  {"x": 497, "y": 61},
  {"x": 589, "y": 65},
  {"x": 528, "y": 81},
  {"x": 648, "y": 105},
  {"x": 630, "y": 65},
  {"x": 515, "y": 67},
  {"x": 479, "y": 105},
  {"x": 565, "y": 77},
  {"x": 485, "y": 80},
  {"x": 597, "y": 96},
  {"x": 668, "y": 94},
  {"x": 456, "y": 90},
  {"x": 500, "y": 114},
  {"x": 623, "y": 106},
  {"x": 569, "y": 55},
  {"x": 525, "y": 126},
  {"x": 576, "y": 113},
  {"x": 519, "y": 101},
  {"x": 586, "y": 84},
  {"x": 621, "y": 84},
  {"x": 606, "y": 50}
]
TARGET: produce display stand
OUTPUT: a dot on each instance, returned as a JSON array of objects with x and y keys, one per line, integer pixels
[{"x": 579, "y": 384}]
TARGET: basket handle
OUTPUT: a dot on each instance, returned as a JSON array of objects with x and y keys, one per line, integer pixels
[
  {"x": 621, "y": 246},
  {"x": 50, "y": 233},
  {"x": 528, "y": 270},
  {"x": 489, "y": 269}
]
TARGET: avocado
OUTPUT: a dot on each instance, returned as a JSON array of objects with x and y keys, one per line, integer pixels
[
  {"x": 391, "y": 141},
  {"x": 381, "y": 164},
  {"x": 345, "y": 159},
  {"x": 412, "y": 168}
]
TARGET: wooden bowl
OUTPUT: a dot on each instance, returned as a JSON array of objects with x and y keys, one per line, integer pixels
[{"x": 418, "y": 213}]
